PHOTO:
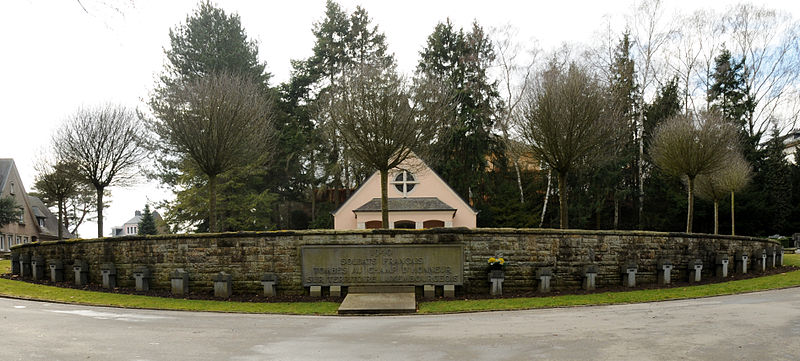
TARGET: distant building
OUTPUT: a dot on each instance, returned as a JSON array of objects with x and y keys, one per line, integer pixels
[
  {"x": 418, "y": 198},
  {"x": 791, "y": 143},
  {"x": 36, "y": 221},
  {"x": 131, "y": 227}
]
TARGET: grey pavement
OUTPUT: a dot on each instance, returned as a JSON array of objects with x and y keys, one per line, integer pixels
[{"x": 757, "y": 326}]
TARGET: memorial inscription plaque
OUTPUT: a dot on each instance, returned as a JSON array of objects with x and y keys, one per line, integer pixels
[{"x": 383, "y": 265}]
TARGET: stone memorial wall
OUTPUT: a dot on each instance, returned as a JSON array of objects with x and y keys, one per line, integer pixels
[{"x": 296, "y": 260}]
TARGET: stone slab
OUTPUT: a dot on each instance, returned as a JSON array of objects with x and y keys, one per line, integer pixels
[
  {"x": 380, "y": 289},
  {"x": 378, "y": 303}
]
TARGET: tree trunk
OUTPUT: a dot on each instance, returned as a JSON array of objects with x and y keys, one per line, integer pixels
[
  {"x": 733, "y": 219},
  {"x": 690, "y": 213},
  {"x": 384, "y": 198},
  {"x": 519, "y": 183},
  {"x": 616, "y": 212},
  {"x": 60, "y": 218},
  {"x": 562, "y": 199},
  {"x": 641, "y": 173},
  {"x": 716, "y": 216},
  {"x": 313, "y": 204},
  {"x": 212, "y": 203},
  {"x": 99, "y": 211},
  {"x": 546, "y": 197}
]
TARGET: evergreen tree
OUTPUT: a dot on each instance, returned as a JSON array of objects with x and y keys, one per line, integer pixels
[
  {"x": 147, "y": 225},
  {"x": 342, "y": 42},
  {"x": 730, "y": 94},
  {"x": 776, "y": 183},
  {"x": 211, "y": 42},
  {"x": 613, "y": 179},
  {"x": 9, "y": 210},
  {"x": 461, "y": 61},
  {"x": 56, "y": 183},
  {"x": 666, "y": 198}
]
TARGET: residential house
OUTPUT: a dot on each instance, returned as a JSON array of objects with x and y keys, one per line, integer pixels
[
  {"x": 131, "y": 227},
  {"x": 791, "y": 143},
  {"x": 36, "y": 221}
]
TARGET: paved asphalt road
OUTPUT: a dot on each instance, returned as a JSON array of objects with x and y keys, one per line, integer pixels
[{"x": 758, "y": 326}]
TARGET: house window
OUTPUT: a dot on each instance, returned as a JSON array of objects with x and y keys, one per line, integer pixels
[
  {"x": 25, "y": 239},
  {"x": 19, "y": 239},
  {"x": 2, "y": 242},
  {"x": 22, "y": 215},
  {"x": 404, "y": 182},
  {"x": 11, "y": 189},
  {"x": 41, "y": 221}
]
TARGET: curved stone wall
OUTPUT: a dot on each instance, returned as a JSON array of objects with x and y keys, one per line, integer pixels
[{"x": 248, "y": 255}]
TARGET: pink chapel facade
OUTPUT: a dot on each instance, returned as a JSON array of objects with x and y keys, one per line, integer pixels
[{"x": 418, "y": 198}]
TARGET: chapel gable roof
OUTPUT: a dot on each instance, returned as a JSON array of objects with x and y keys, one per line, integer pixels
[
  {"x": 421, "y": 163},
  {"x": 406, "y": 204}
]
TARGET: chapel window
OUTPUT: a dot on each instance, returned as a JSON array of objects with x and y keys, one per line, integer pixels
[{"x": 404, "y": 182}]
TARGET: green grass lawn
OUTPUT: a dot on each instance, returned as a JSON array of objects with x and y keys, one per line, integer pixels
[
  {"x": 32, "y": 291},
  {"x": 26, "y": 290}
]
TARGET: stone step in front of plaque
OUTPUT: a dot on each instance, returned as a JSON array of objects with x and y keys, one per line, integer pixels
[
  {"x": 381, "y": 289},
  {"x": 378, "y": 300}
]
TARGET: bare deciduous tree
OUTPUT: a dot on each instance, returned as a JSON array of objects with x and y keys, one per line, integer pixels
[
  {"x": 565, "y": 121},
  {"x": 769, "y": 41},
  {"x": 104, "y": 145},
  {"x": 690, "y": 49},
  {"x": 688, "y": 146},
  {"x": 217, "y": 123},
  {"x": 515, "y": 79},
  {"x": 650, "y": 34},
  {"x": 382, "y": 122}
]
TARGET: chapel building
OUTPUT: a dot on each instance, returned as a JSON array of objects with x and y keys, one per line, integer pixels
[{"x": 418, "y": 198}]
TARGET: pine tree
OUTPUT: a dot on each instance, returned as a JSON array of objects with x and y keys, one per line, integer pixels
[
  {"x": 776, "y": 184},
  {"x": 210, "y": 42},
  {"x": 461, "y": 61},
  {"x": 730, "y": 93},
  {"x": 614, "y": 178},
  {"x": 147, "y": 225},
  {"x": 342, "y": 42},
  {"x": 666, "y": 198}
]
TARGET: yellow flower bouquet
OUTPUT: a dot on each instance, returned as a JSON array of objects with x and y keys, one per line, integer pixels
[{"x": 496, "y": 263}]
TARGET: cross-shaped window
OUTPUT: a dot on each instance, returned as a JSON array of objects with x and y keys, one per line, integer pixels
[{"x": 404, "y": 182}]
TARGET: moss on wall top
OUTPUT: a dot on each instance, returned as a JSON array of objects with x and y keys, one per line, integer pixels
[{"x": 392, "y": 232}]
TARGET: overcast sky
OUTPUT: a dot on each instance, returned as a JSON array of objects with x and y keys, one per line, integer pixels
[{"x": 55, "y": 57}]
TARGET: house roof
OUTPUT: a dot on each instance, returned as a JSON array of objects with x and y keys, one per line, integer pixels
[
  {"x": 406, "y": 204},
  {"x": 5, "y": 171},
  {"x": 138, "y": 218},
  {"x": 51, "y": 221}
]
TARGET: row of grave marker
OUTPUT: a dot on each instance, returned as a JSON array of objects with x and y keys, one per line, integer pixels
[
  {"x": 665, "y": 267},
  {"x": 34, "y": 267}
]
